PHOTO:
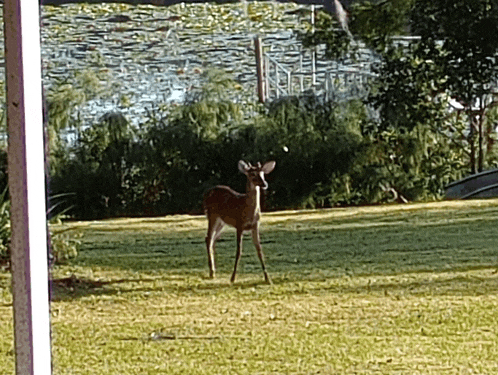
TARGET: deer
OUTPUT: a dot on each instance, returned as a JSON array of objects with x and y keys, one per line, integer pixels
[{"x": 224, "y": 205}]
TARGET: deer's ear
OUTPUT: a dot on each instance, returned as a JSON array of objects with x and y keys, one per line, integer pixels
[
  {"x": 243, "y": 166},
  {"x": 268, "y": 167}
]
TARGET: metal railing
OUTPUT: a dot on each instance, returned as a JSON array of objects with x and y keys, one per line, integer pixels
[{"x": 307, "y": 70}]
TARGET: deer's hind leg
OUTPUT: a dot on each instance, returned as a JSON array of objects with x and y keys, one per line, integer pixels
[{"x": 215, "y": 227}]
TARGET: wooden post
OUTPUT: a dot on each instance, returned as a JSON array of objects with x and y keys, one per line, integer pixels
[
  {"x": 259, "y": 68},
  {"x": 27, "y": 187}
]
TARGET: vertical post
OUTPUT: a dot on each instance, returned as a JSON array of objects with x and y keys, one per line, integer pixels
[
  {"x": 259, "y": 68},
  {"x": 327, "y": 88},
  {"x": 27, "y": 187},
  {"x": 480, "y": 120},
  {"x": 246, "y": 14},
  {"x": 266, "y": 69},
  {"x": 277, "y": 82},
  {"x": 313, "y": 51},
  {"x": 301, "y": 70},
  {"x": 471, "y": 140},
  {"x": 289, "y": 83}
]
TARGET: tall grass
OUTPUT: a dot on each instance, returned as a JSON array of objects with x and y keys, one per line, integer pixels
[{"x": 388, "y": 289}]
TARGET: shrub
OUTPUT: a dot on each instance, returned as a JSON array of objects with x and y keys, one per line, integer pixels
[
  {"x": 65, "y": 245},
  {"x": 327, "y": 153},
  {"x": 314, "y": 142},
  {"x": 5, "y": 230}
]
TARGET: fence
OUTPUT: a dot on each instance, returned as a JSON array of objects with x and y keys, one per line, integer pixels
[{"x": 291, "y": 71}]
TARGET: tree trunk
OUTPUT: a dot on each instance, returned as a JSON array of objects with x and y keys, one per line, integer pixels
[
  {"x": 471, "y": 140},
  {"x": 480, "y": 161}
]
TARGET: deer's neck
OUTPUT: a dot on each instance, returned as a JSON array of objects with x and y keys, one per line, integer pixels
[{"x": 253, "y": 195}]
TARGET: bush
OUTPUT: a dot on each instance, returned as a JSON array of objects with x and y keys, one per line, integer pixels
[
  {"x": 96, "y": 171},
  {"x": 5, "y": 230},
  {"x": 64, "y": 245},
  {"x": 327, "y": 154},
  {"x": 314, "y": 143}
]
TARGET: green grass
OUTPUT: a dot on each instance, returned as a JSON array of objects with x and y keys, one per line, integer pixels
[{"x": 403, "y": 289}]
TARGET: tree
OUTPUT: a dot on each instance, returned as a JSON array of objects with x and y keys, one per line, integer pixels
[
  {"x": 64, "y": 100},
  {"x": 95, "y": 174},
  {"x": 460, "y": 37},
  {"x": 190, "y": 147},
  {"x": 372, "y": 22},
  {"x": 314, "y": 143},
  {"x": 453, "y": 60}
]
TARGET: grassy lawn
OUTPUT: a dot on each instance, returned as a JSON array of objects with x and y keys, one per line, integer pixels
[{"x": 403, "y": 289}]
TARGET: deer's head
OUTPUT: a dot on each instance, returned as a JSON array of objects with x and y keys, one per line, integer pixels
[{"x": 256, "y": 173}]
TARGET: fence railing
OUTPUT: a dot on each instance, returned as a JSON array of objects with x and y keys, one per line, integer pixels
[{"x": 291, "y": 72}]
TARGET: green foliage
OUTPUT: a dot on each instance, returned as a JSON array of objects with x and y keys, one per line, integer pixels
[
  {"x": 64, "y": 100},
  {"x": 161, "y": 167},
  {"x": 454, "y": 58},
  {"x": 312, "y": 141},
  {"x": 407, "y": 166},
  {"x": 459, "y": 36},
  {"x": 406, "y": 92},
  {"x": 97, "y": 171},
  {"x": 66, "y": 96},
  {"x": 327, "y": 153},
  {"x": 64, "y": 242},
  {"x": 377, "y": 22},
  {"x": 178, "y": 153},
  {"x": 184, "y": 149},
  {"x": 491, "y": 137},
  {"x": 64, "y": 245},
  {"x": 466, "y": 29},
  {"x": 416, "y": 146},
  {"x": 3, "y": 168},
  {"x": 210, "y": 113},
  {"x": 309, "y": 139},
  {"x": 372, "y": 22},
  {"x": 327, "y": 31},
  {"x": 5, "y": 230}
]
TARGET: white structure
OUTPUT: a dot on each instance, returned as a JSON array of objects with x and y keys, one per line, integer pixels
[{"x": 27, "y": 187}]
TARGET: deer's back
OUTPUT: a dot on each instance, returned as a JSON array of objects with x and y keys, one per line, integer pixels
[
  {"x": 224, "y": 202},
  {"x": 233, "y": 208},
  {"x": 222, "y": 198}
]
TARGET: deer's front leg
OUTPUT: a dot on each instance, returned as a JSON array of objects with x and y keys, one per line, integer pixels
[
  {"x": 214, "y": 231},
  {"x": 240, "y": 232},
  {"x": 257, "y": 243},
  {"x": 210, "y": 253}
]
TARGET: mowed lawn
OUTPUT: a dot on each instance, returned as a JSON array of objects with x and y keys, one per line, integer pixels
[{"x": 401, "y": 289}]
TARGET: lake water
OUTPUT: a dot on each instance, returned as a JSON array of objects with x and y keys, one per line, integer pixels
[{"x": 157, "y": 54}]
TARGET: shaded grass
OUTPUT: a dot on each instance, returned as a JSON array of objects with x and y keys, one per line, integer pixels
[
  {"x": 388, "y": 290},
  {"x": 357, "y": 241}
]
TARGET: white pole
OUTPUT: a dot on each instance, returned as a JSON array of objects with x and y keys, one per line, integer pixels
[
  {"x": 27, "y": 187},
  {"x": 313, "y": 51},
  {"x": 260, "y": 70}
]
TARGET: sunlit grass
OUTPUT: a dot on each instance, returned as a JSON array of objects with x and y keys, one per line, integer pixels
[{"x": 390, "y": 289}]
